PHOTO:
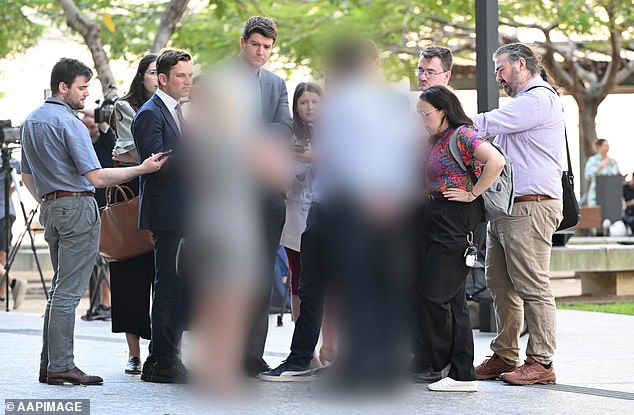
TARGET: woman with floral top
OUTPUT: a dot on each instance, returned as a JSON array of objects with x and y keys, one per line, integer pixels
[{"x": 452, "y": 221}]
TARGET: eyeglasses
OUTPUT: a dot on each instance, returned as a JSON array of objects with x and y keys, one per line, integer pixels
[
  {"x": 425, "y": 114},
  {"x": 427, "y": 72}
]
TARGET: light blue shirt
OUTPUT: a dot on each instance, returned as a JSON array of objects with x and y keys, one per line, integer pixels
[
  {"x": 530, "y": 129},
  {"x": 57, "y": 149}
]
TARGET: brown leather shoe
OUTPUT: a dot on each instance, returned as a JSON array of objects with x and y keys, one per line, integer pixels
[
  {"x": 492, "y": 368},
  {"x": 530, "y": 373},
  {"x": 74, "y": 376}
]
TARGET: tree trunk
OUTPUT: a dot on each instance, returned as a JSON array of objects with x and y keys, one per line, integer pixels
[
  {"x": 588, "y": 109},
  {"x": 91, "y": 32},
  {"x": 169, "y": 20}
]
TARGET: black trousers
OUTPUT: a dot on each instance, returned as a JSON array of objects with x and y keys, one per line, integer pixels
[
  {"x": 364, "y": 266},
  {"x": 312, "y": 282},
  {"x": 443, "y": 312},
  {"x": 273, "y": 216},
  {"x": 169, "y": 307}
]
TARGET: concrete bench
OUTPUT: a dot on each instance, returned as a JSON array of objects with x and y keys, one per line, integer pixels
[{"x": 605, "y": 269}]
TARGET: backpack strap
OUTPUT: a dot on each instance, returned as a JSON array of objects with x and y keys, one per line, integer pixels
[{"x": 455, "y": 153}]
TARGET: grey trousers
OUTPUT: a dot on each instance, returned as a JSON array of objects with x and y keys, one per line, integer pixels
[
  {"x": 518, "y": 275},
  {"x": 72, "y": 227}
]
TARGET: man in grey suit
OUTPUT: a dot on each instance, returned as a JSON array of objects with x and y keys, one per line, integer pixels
[{"x": 256, "y": 44}]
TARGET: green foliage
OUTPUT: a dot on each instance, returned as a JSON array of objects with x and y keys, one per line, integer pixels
[
  {"x": 613, "y": 308},
  {"x": 17, "y": 32}
]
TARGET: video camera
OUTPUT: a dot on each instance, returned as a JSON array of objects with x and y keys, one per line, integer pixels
[
  {"x": 9, "y": 134},
  {"x": 104, "y": 111}
]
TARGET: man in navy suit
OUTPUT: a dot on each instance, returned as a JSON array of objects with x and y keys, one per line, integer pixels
[
  {"x": 271, "y": 98},
  {"x": 158, "y": 127}
]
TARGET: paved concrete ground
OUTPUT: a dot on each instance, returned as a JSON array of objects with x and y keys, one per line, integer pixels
[{"x": 594, "y": 366}]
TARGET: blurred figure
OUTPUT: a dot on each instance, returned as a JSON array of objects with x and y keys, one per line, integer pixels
[
  {"x": 131, "y": 279},
  {"x": 453, "y": 222},
  {"x": 599, "y": 164},
  {"x": 628, "y": 195},
  {"x": 354, "y": 244},
  {"x": 231, "y": 162},
  {"x": 159, "y": 127}
]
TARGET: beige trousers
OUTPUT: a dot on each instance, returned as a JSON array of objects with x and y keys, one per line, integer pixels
[{"x": 518, "y": 275}]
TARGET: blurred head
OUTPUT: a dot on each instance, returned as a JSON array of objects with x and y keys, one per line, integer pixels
[
  {"x": 515, "y": 65},
  {"x": 306, "y": 102},
  {"x": 602, "y": 146},
  {"x": 257, "y": 39},
  {"x": 145, "y": 82},
  {"x": 93, "y": 129},
  {"x": 175, "y": 73},
  {"x": 441, "y": 109},
  {"x": 349, "y": 58},
  {"x": 69, "y": 82},
  {"x": 434, "y": 67}
]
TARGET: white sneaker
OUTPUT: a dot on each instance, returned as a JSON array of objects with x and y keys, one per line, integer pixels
[
  {"x": 450, "y": 385},
  {"x": 19, "y": 292}
]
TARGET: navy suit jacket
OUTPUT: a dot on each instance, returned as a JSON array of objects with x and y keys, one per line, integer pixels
[{"x": 161, "y": 194}]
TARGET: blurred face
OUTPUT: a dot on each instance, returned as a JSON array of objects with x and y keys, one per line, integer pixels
[
  {"x": 150, "y": 79},
  {"x": 178, "y": 82},
  {"x": 433, "y": 118},
  {"x": 604, "y": 148},
  {"x": 430, "y": 73},
  {"x": 509, "y": 74},
  {"x": 308, "y": 106},
  {"x": 256, "y": 50},
  {"x": 76, "y": 93}
]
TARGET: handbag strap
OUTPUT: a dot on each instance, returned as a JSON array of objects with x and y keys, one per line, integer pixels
[
  {"x": 118, "y": 190},
  {"x": 565, "y": 131},
  {"x": 455, "y": 153}
]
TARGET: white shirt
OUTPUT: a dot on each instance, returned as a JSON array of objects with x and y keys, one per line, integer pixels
[{"x": 171, "y": 104}]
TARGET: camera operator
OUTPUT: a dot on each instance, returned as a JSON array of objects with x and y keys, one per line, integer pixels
[{"x": 18, "y": 286}]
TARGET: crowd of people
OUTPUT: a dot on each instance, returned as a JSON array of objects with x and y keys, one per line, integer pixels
[{"x": 377, "y": 217}]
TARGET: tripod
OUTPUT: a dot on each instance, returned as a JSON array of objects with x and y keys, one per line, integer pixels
[{"x": 10, "y": 178}]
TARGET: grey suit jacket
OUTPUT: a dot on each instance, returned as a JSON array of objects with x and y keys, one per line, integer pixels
[{"x": 275, "y": 110}]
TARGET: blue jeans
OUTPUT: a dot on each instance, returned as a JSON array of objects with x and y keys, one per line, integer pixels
[{"x": 72, "y": 227}]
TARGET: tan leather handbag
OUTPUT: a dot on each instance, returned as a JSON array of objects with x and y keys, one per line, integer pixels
[{"x": 121, "y": 237}]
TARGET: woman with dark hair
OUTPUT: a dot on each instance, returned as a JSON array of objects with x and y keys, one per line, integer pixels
[
  {"x": 453, "y": 225},
  {"x": 306, "y": 102},
  {"x": 131, "y": 279},
  {"x": 599, "y": 164}
]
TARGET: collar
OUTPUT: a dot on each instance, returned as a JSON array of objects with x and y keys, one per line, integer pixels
[
  {"x": 169, "y": 101},
  {"x": 57, "y": 101},
  {"x": 536, "y": 80}
]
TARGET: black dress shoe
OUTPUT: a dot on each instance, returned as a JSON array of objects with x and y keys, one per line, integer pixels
[
  {"x": 43, "y": 375},
  {"x": 74, "y": 376},
  {"x": 134, "y": 366},
  {"x": 156, "y": 374},
  {"x": 253, "y": 366}
]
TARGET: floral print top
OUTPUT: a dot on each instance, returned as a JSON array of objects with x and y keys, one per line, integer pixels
[{"x": 442, "y": 170}]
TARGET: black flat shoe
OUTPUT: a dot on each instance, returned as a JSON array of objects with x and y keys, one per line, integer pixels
[{"x": 134, "y": 366}]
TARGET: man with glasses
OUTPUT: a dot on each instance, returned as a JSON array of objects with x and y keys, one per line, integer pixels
[{"x": 434, "y": 67}]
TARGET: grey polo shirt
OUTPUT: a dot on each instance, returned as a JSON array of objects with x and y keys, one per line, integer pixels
[{"x": 57, "y": 150}]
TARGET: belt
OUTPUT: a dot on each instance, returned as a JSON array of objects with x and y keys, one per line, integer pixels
[
  {"x": 436, "y": 197},
  {"x": 63, "y": 193},
  {"x": 531, "y": 198}
]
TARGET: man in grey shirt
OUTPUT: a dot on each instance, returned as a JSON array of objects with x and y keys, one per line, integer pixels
[
  {"x": 531, "y": 131},
  {"x": 61, "y": 170}
]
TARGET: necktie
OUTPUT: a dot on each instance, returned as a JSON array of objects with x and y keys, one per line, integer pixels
[{"x": 181, "y": 119}]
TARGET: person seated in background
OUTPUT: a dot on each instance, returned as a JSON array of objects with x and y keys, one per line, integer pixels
[
  {"x": 599, "y": 164},
  {"x": 628, "y": 195}
]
